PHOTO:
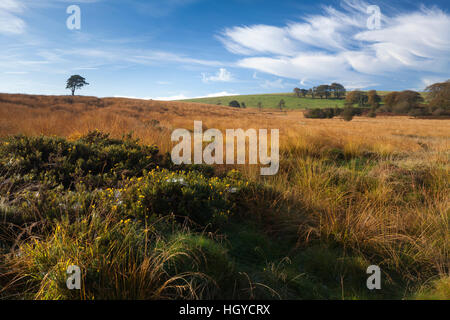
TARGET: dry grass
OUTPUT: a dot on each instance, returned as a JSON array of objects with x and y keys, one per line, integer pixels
[
  {"x": 389, "y": 196},
  {"x": 67, "y": 116}
]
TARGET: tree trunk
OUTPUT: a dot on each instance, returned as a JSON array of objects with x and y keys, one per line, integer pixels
[{"x": 73, "y": 92}]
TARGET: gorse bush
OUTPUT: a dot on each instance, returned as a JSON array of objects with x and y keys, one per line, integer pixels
[
  {"x": 53, "y": 176},
  {"x": 326, "y": 113},
  {"x": 185, "y": 195},
  {"x": 329, "y": 113},
  {"x": 95, "y": 158},
  {"x": 108, "y": 206},
  {"x": 348, "y": 114},
  {"x": 314, "y": 114}
]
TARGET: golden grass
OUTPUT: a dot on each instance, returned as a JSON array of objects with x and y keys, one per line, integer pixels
[
  {"x": 74, "y": 116},
  {"x": 355, "y": 212}
]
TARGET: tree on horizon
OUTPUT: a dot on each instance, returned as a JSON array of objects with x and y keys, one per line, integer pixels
[
  {"x": 76, "y": 82},
  {"x": 439, "y": 95},
  {"x": 338, "y": 90}
]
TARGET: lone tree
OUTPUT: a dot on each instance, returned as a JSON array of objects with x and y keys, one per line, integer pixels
[
  {"x": 76, "y": 82},
  {"x": 281, "y": 104}
]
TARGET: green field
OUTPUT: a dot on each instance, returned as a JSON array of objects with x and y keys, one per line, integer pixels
[{"x": 270, "y": 101}]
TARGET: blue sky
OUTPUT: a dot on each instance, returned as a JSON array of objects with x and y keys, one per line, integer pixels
[{"x": 172, "y": 49}]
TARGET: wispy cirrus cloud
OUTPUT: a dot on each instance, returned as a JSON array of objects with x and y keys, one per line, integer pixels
[
  {"x": 338, "y": 46},
  {"x": 10, "y": 22},
  {"x": 94, "y": 58}
]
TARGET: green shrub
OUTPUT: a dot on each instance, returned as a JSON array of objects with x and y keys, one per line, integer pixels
[
  {"x": 418, "y": 112},
  {"x": 329, "y": 113},
  {"x": 94, "y": 159},
  {"x": 437, "y": 290},
  {"x": 212, "y": 261},
  {"x": 372, "y": 114},
  {"x": 402, "y": 108},
  {"x": 348, "y": 114},
  {"x": 183, "y": 194},
  {"x": 441, "y": 112},
  {"x": 315, "y": 114},
  {"x": 234, "y": 104}
]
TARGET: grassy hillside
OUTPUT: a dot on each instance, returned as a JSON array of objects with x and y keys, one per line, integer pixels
[
  {"x": 87, "y": 181},
  {"x": 270, "y": 101}
]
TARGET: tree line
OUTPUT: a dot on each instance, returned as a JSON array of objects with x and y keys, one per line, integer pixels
[
  {"x": 335, "y": 90},
  {"x": 435, "y": 102}
]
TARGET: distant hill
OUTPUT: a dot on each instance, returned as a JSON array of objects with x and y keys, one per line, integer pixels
[{"x": 271, "y": 101}]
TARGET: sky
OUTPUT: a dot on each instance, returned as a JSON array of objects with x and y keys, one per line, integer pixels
[{"x": 177, "y": 49}]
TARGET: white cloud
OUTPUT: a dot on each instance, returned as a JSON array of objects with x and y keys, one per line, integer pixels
[
  {"x": 95, "y": 57},
  {"x": 223, "y": 75},
  {"x": 276, "y": 84},
  {"x": 149, "y": 57},
  {"x": 182, "y": 96},
  {"x": 338, "y": 46},
  {"x": 10, "y": 23},
  {"x": 11, "y": 5},
  {"x": 250, "y": 40},
  {"x": 171, "y": 98},
  {"x": 429, "y": 81},
  {"x": 220, "y": 94}
]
